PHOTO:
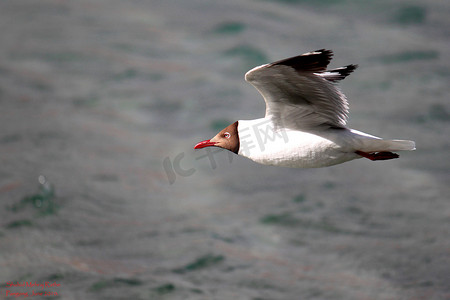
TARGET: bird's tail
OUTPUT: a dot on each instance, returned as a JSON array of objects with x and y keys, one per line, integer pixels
[
  {"x": 369, "y": 143},
  {"x": 375, "y": 148},
  {"x": 378, "y": 149},
  {"x": 391, "y": 145}
]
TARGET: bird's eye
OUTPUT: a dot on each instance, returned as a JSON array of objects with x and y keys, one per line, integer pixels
[{"x": 227, "y": 135}]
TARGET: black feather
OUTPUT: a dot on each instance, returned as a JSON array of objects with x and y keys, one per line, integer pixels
[{"x": 315, "y": 61}]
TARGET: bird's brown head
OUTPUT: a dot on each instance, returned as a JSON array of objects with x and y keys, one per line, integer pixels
[{"x": 227, "y": 138}]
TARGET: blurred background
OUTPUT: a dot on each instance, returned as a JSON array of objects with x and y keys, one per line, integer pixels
[{"x": 101, "y": 190}]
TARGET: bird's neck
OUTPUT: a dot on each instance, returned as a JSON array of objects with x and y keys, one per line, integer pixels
[{"x": 256, "y": 135}]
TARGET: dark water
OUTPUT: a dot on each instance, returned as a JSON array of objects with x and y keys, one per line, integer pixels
[{"x": 106, "y": 99}]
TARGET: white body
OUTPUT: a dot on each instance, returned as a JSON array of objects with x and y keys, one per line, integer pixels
[{"x": 263, "y": 143}]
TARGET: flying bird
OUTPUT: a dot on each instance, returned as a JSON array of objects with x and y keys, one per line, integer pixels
[{"x": 305, "y": 121}]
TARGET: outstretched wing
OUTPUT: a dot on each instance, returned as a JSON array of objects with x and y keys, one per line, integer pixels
[{"x": 300, "y": 93}]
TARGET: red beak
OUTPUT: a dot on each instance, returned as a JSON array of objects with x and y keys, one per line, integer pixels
[{"x": 204, "y": 144}]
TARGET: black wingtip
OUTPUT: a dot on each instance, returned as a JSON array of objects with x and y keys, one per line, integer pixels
[
  {"x": 327, "y": 52},
  {"x": 339, "y": 73},
  {"x": 314, "y": 61},
  {"x": 349, "y": 69}
]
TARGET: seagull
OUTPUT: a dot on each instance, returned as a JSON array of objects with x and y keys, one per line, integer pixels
[{"x": 305, "y": 121}]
